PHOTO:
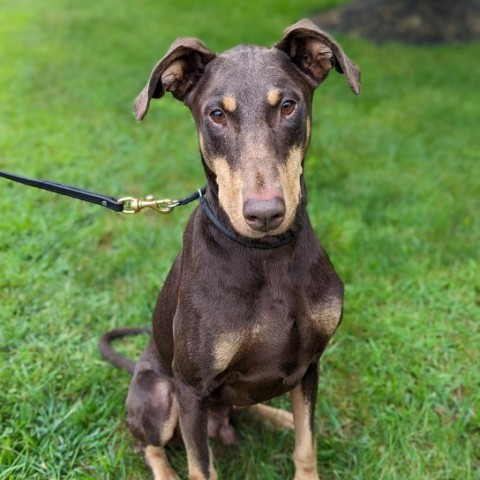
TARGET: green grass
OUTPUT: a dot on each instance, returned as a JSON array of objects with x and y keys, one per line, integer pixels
[{"x": 394, "y": 183}]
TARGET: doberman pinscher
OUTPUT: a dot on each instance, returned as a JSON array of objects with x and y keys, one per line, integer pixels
[{"x": 252, "y": 299}]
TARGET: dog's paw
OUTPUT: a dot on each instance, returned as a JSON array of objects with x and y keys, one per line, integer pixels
[{"x": 306, "y": 475}]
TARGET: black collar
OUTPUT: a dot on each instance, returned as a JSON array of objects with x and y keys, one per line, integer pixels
[{"x": 251, "y": 243}]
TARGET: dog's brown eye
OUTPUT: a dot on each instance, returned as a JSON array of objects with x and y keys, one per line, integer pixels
[
  {"x": 217, "y": 116},
  {"x": 288, "y": 107}
]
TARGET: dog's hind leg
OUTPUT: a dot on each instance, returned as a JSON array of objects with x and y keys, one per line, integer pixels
[
  {"x": 276, "y": 416},
  {"x": 152, "y": 413}
]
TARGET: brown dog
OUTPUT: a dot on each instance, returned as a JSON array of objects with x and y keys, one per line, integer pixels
[{"x": 252, "y": 299}]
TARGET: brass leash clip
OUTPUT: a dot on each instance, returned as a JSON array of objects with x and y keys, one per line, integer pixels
[{"x": 134, "y": 205}]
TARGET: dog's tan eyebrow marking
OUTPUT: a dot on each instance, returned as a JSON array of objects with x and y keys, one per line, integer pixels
[
  {"x": 229, "y": 103},
  {"x": 273, "y": 96}
]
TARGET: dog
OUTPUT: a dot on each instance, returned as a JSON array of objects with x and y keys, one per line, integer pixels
[{"x": 252, "y": 299}]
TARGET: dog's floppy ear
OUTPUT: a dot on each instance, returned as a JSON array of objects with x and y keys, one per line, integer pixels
[
  {"x": 176, "y": 72},
  {"x": 315, "y": 53}
]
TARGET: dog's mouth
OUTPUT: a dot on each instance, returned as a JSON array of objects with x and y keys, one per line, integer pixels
[
  {"x": 271, "y": 229},
  {"x": 266, "y": 233},
  {"x": 255, "y": 221},
  {"x": 274, "y": 240},
  {"x": 268, "y": 240}
]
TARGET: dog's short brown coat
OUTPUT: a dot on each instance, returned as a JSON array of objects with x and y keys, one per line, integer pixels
[{"x": 234, "y": 325}]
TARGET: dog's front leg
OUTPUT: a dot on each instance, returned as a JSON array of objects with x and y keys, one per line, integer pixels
[
  {"x": 193, "y": 415},
  {"x": 303, "y": 398}
]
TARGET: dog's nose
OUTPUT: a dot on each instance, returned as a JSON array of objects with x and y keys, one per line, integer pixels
[{"x": 263, "y": 215}]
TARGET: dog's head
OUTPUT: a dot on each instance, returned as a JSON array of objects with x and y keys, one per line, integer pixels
[{"x": 252, "y": 108}]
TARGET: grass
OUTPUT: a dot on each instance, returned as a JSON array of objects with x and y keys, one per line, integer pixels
[{"x": 394, "y": 188}]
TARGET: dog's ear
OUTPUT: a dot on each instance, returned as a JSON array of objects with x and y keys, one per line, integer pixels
[
  {"x": 176, "y": 72},
  {"x": 315, "y": 53}
]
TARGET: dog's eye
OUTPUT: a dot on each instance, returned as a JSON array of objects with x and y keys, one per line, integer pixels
[
  {"x": 218, "y": 116},
  {"x": 288, "y": 107}
]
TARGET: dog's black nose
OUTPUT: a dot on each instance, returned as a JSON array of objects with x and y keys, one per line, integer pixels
[{"x": 263, "y": 215}]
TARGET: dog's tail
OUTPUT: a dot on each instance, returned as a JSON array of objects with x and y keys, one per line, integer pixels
[{"x": 110, "y": 355}]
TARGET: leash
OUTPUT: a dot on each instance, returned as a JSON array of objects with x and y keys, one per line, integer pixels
[
  {"x": 128, "y": 205},
  {"x": 132, "y": 205}
]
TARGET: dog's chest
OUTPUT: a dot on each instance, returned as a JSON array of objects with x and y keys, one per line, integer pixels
[
  {"x": 254, "y": 335},
  {"x": 269, "y": 355}
]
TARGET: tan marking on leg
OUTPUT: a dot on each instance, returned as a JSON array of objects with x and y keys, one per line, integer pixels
[
  {"x": 225, "y": 348},
  {"x": 308, "y": 129},
  {"x": 169, "y": 426},
  {"x": 290, "y": 174},
  {"x": 229, "y": 103},
  {"x": 276, "y": 416},
  {"x": 326, "y": 314},
  {"x": 273, "y": 96},
  {"x": 304, "y": 455},
  {"x": 157, "y": 461},
  {"x": 194, "y": 470},
  {"x": 213, "y": 472}
]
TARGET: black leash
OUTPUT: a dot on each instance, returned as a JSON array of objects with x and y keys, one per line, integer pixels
[
  {"x": 68, "y": 190},
  {"x": 123, "y": 205},
  {"x": 132, "y": 205}
]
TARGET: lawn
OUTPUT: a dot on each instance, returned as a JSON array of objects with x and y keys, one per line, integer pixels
[{"x": 394, "y": 195}]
